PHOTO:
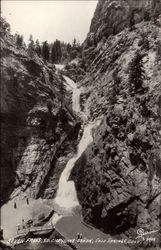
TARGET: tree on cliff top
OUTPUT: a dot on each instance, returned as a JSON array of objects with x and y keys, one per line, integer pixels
[
  {"x": 5, "y": 27},
  {"x": 19, "y": 41},
  {"x": 31, "y": 44},
  {"x": 45, "y": 51},
  {"x": 56, "y": 52},
  {"x": 38, "y": 48}
]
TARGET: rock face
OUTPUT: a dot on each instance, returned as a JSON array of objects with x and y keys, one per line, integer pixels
[
  {"x": 35, "y": 120},
  {"x": 112, "y": 16},
  {"x": 118, "y": 179}
]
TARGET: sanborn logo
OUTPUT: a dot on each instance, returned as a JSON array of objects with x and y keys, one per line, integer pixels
[{"x": 141, "y": 233}]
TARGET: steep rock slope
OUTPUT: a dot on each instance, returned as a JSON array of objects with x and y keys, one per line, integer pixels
[
  {"x": 112, "y": 16},
  {"x": 118, "y": 179},
  {"x": 36, "y": 122}
]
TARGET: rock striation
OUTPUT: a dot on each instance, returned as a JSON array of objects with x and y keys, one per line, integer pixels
[
  {"x": 112, "y": 16},
  {"x": 118, "y": 178},
  {"x": 36, "y": 120}
]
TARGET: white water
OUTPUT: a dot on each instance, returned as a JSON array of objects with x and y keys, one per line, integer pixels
[
  {"x": 75, "y": 90},
  {"x": 59, "y": 66},
  {"x": 66, "y": 198},
  {"x": 66, "y": 194},
  {"x": 75, "y": 95}
]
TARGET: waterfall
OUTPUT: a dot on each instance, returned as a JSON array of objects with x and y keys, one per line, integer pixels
[
  {"x": 76, "y": 94},
  {"x": 66, "y": 198},
  {"x": 66, "y": 194},
  {"x": 75, "y": 90}
]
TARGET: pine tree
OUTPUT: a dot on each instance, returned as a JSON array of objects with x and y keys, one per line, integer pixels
[
  {"x": 38, "y": 48},
  {"x": 5, "y": 27},
  {"x": 132, "y": 22},
  {"x": 19, "y": 40},
  {"x": 137, "y": 73},
  {"x": 45, "y": 51},
  {"x": 74, "y": 45},
  {"x": 53, "y": 54},
  {"x": 117, "y": 81},
  {"x": 116, "y": 86},
  {"x": 69, "y": 47},
  {"x": 65, "y": 55},
  {"x": 58, "y": 50},
  {"x": 31, "y": 44}
]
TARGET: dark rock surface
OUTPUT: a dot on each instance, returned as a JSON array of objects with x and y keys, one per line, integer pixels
[
  {"x": 74, "y": 71},
  {"x": 112, "y": 16},
  {"x": 34, "y": 121},
  {"x": 118, "y": 178}
]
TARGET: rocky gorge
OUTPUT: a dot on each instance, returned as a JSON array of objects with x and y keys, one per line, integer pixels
[
  {"x": 37, "y": 125},
  {"x": 118, "y": 176},
  {"x": 119, "y": 186}
]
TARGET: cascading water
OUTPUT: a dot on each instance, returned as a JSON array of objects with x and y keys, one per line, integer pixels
[
  {"x": 75, "y": 95},
  {"x": 66, "y": 199},
  {"x": 66, "y": 195}
]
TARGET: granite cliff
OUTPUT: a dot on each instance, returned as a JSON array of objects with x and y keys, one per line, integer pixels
[
  {"x": 118, "y": 178},
  {"x": 113, "y": 16},
  {"x": 36, "y": 122}
]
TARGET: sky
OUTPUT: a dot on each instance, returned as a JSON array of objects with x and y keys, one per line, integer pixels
[{"x": 49, "y": 20}]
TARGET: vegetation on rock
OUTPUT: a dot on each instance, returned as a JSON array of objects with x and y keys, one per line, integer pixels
[
  {"x": 32, "y": 117},
  {"x": 118, "y": 177}
]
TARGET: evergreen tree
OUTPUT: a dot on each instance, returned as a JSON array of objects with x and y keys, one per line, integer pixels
[
  {"x": 116, "y": 86},
  {"x": 137, "y": 73},
  {"x": 117, "y": 81},
  {"x": 38, "y": 48},
  {"x": 74, "y": 45},
  {"x": 53, "y": 54},
  {"x": 76, "y": 49},
  {"x": 19, "y": 40},
  {"x": 56, "y": 52},
  {"x": 132, "y": 22},
  {"x": 65, "y": 55},
  {"x": 45, "y": 51},
  {"x": 69, "y": 48},
  {"x": 31, "y": 44},
  {"x": 5, "y": 27}
]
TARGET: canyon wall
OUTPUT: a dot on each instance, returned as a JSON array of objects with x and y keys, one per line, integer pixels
[
  {"x": 36, "y": 121},
  {"x": 113, "y": 16},
  {"x": 118, "y": 178}
]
